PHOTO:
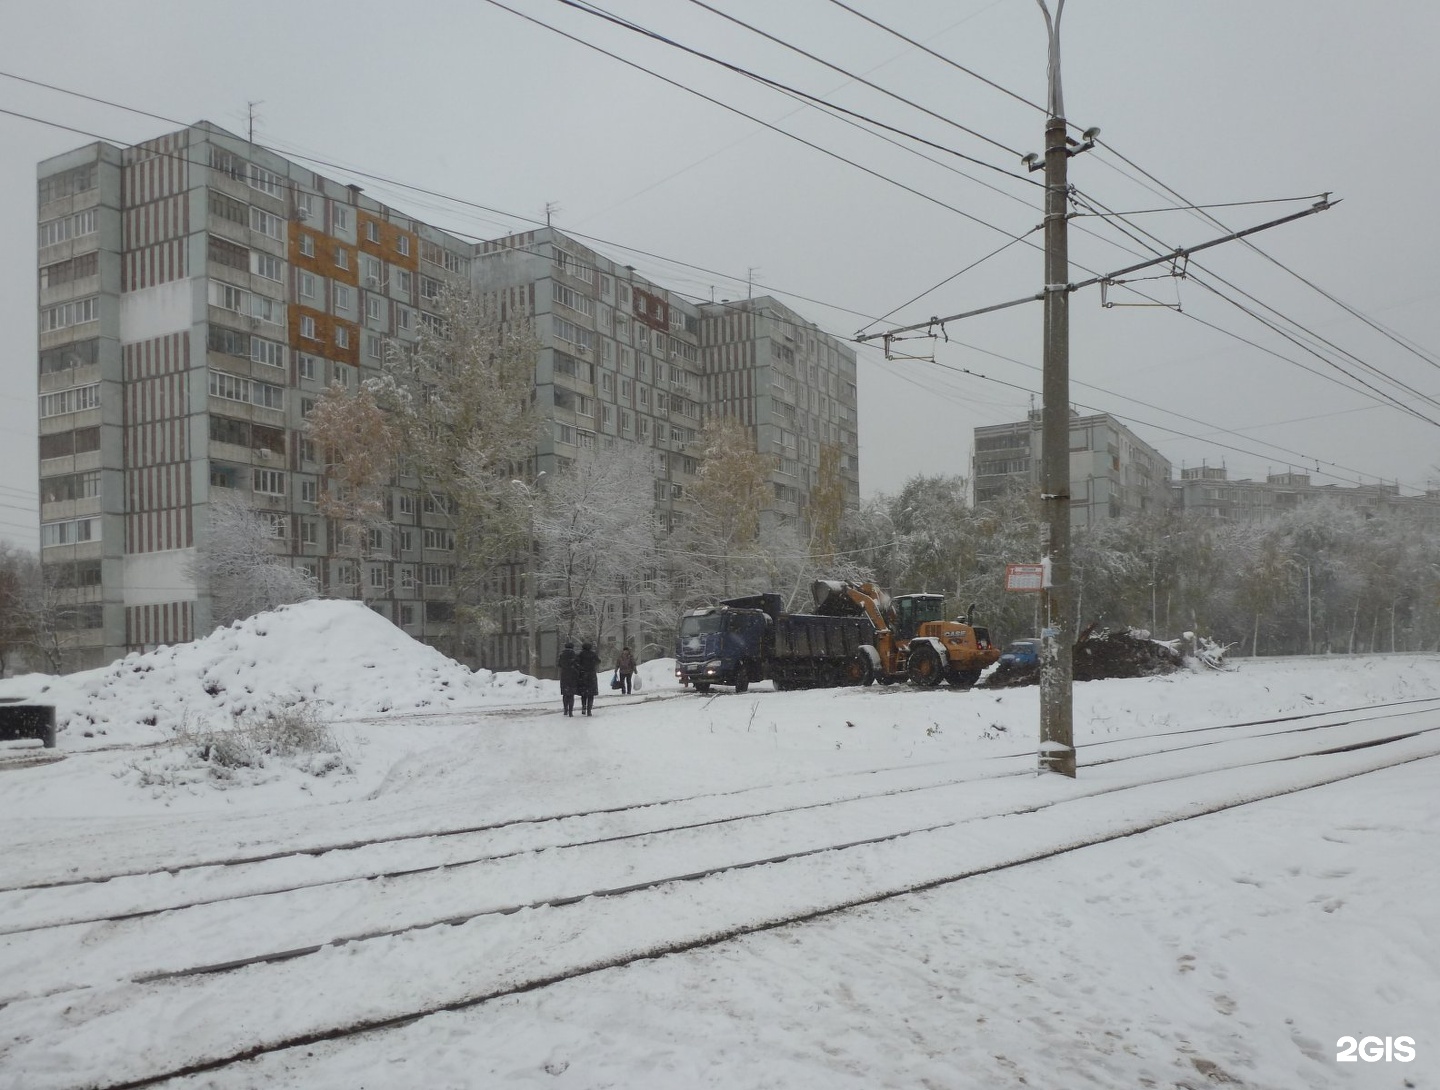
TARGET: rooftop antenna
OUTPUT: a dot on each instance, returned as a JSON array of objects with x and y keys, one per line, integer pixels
[
  {"x": 250, "y": 116},
  {"x": 551, "y": 207}
]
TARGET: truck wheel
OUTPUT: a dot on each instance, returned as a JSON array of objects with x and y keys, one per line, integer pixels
[
  {"x": 858, "y": 671},
  {"x": 963, "y": 679},
  {"x": 925, "y": 666},
  {"x": 742, "y": 678}
]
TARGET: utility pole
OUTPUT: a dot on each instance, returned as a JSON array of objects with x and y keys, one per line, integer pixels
[
  {"x": 1057, "y": 667},
  {"x": 1058, "y": 621}
]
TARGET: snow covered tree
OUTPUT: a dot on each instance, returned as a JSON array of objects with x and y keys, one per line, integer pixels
[
  {"x": 461, "y": 400},
  {"x": 235, "y": 560},
  {"x": 721, "y": 556},
  {"x": 357, "y": 449},
  {"x": 598, "y": 547}
]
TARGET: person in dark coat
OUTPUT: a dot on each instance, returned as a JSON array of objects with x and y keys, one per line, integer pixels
[
  {"x": 587, "y": 666},
  {"x": 569, "y": 677},
  {"x": 625, "y": 668}
]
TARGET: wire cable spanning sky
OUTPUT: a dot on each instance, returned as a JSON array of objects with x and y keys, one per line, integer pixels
[{"x": 849, "y": 202}]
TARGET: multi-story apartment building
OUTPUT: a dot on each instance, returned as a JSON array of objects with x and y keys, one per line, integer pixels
[
  {"x": 1207, "y": 490},
  {"x": 792, "y": 383},
  {"x": 197, "y": 293},
  {"x": 620, "y": 356},
  {"x": 1112, "y": 471}
]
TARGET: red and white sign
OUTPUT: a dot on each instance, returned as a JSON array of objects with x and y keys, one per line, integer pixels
[{"x": 1024, "y": 576}]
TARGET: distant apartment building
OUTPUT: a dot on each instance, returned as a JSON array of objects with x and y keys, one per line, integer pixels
[
  {"x": 197, "y": 293},
  {"x": 794, "y": 384},
  {"x": 1113, "y": 472},
  {"x": 1207, "y": 490}
]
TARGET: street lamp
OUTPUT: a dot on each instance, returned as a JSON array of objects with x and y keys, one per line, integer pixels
[{"x": 531, "y": 653}]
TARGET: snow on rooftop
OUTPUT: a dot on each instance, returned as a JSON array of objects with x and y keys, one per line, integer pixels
[{"x": 340, "y": 655}]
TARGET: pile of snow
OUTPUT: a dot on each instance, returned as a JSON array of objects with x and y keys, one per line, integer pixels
[{"x": 339, "y": 656}]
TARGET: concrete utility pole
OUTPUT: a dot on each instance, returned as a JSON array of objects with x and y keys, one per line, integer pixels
[{"x": 1057, "y": 672}]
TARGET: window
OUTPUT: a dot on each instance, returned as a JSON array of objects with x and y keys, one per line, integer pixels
[
  {"x": 439, "y": 539},
  {"x": 429, "y": 288},
  {"x": 583, "y": 339},
  {"x": 626, "y": 421},
  {"x": 307, "y": 285},
  {"x": 279, "y": 523},
  {"x": 309, "y": 491},
  {"x": 228, "y": 297},
  {"x": 407, "y": 582},
  {"x": 67, "y": 272},
  {"x": 267, "y": 309},
  {"x": 437, "y": 575},
  {"x": 404, "y": 280},
  {"x": 265, "y": 223},
  {"x": 371, "y": 269},
  {"x": 263, "y": 180},
  {"x": 341, "y": 374},
  {"x": 569, "y": 297},
  {"x": 270, "y": 482},
  {"x": 230, "y": 387},
  {"x": 225, "y": 429},
  {"x": 74, "y": 486},
  {"x": 67, "y": 357},
  {"x": 307, "y": 329},
  {"x": 574, "y": 266},
  {"x": 342, "y": 297},
  {"x": 347, "y": 574},
  {"x": 340, "y": 217},
  {"x": 403, "y": 317},
  {"x": 69, "y": 532},
  {"x": 342, "y": 257},
  {"x": 268, "y": 395},
  {"x": 405, "y": 504},
  {"x": 307, "y": 245},
  {"x": 373, "y": 304},
  {"x": 342, "y": 337},
  {"x": 607, "y": 382},
  {"x": 455, "y": 263},
  {"x": 65, "y": 315},
  {"x": 270, "y": 353},
  {"x": 374, "y": 346},
  {"x": 67, "y": 183},
  {"x": 407, "y": 541},
  {"x": 228, "y": 253},
  {"x": 267, "y": 265},
  {"x": 403, "y": 245},
  {"x": 62, "y": 444},
  {"x": 565, "y": 433},
  {"x": 309, "y": 530},
  {"x": 372, "y": 231},
  {"x": 379, "y": 576},
  {"x": 68, "y": 227}
]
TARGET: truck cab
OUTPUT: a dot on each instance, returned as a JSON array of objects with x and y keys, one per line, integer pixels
[{"x": 720, "y": 645}]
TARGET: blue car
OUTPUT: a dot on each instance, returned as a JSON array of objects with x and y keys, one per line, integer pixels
[{"x": 1021, "y": 653}]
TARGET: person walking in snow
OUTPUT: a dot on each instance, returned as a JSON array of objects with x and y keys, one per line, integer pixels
[
  {"x": 569, "y": 677},
  {"x": 587, "y": 666},
  {"x": 625, "y": 667}
]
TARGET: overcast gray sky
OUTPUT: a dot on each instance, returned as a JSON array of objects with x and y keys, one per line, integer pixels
[{"x": 1225, "y": 101}]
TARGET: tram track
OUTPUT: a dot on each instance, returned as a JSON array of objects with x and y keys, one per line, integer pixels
[{"x": 1220, "y": 791}]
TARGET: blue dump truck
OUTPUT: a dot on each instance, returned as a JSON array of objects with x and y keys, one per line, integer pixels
[{"x": 753, "y": 639}]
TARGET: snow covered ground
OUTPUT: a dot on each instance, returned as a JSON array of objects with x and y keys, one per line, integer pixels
[{"x": 835, "y": 888}]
